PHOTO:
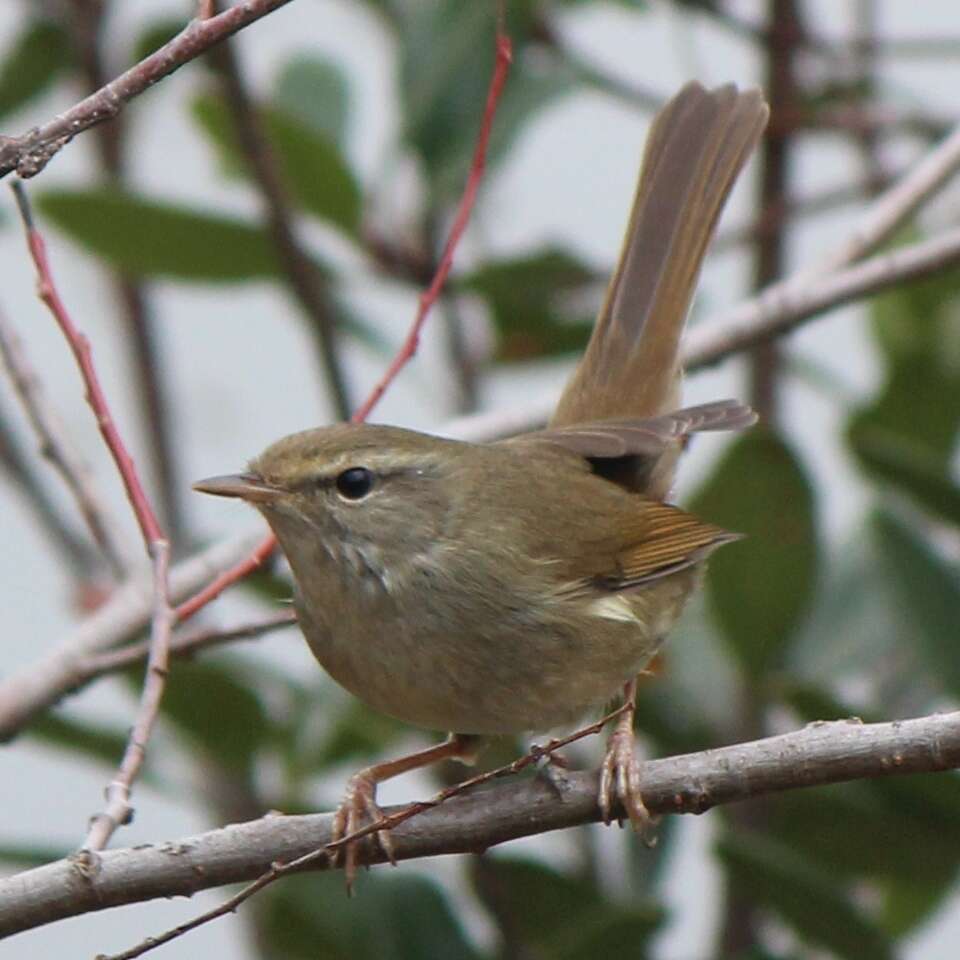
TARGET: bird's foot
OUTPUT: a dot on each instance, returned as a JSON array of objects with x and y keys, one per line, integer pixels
[{"x": 357, "y": 810}]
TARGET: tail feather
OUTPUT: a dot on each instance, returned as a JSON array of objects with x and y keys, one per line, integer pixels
[{"x": 696, "y": 147}]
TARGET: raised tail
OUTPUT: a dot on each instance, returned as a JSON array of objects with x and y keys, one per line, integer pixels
[{"x": 696, "y": 148}]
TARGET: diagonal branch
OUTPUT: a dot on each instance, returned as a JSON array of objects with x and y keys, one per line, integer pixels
[
  {"x": 118, "y": 810},
  {"x": 821, "y": 753},
  {"x": 30, "y": 153},
  {"x": 57, "y": 447}
]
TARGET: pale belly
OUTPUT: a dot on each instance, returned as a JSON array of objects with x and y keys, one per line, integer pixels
[{"x": 499, "y": 675}]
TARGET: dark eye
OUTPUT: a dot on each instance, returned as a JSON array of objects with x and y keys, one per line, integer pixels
[{"x": 355, "y": 483}]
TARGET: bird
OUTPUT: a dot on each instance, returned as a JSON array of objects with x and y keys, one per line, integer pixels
[{"x": 511, "y": 587}]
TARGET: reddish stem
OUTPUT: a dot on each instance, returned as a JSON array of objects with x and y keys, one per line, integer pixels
[
  {"x": 504, "y": 57},
  {"x": 429, "y": 297},
  {"x": 80, "y": 346},
  {"x": 213, "y": 589}
]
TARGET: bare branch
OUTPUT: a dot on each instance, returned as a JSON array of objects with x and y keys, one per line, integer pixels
[
  {"x": 29, "y": 691},
  {"x": 118, "y": 810},
  {"x": 303, "y": 276},
  {"x": 429, "y": 297},
  {"x": 31, "y": 152},
  {"x": 783, "y": 306},
  {"x": 56, "y": 446},
  {"x": 182, "y": 646},
  {"x": 821, "y": 753}
]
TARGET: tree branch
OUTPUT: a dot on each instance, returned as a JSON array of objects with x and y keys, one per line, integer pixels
[
  {"x": 304, "y": 278},
  {"x": 821, "y": 753},
  {"x": 30, "y": 153},
  {"x": 57, "y": 447}
]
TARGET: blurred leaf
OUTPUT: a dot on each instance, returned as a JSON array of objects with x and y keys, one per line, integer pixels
[
  {"x": 214, "y": 705},
  {"x": 155, "y": 35},
  {"x": 32, "y": 64},
  {"x": 314, "y": 92},
  {"x": 355, "y": 732},
  {"x": 761, "y": 589},
  {"x": 150, "y": 238},
  {"x": 907, "y": 436},
  {"x": 527, "y": 297},
  {"x": 927, "y": 595},
  {"x": 447, "y": 61},
  {"x": 902, "y": 462},
  {"x": 310, "y": 163},
  {"x": 805, "y": 897},
  {"x": 96, "y": 741},
  {"x": 562, "y": 917},
  {"x": 394, "y": 917},
  {"x": 28, "y": 855}
]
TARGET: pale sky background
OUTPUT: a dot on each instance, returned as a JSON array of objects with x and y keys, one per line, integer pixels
[{"x": 570, "y": 179}]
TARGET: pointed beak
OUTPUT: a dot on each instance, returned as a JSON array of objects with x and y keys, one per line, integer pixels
[{"x": 246, "y": 486}]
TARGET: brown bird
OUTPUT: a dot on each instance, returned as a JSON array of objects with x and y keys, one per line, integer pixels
[{"x": 516, "y": 586}]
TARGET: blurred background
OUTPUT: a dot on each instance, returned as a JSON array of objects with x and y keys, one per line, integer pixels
[{"x": 843, "y": 601}]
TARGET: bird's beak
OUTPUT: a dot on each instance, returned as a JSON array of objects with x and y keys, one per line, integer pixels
[{"x": 246, "y": 486}]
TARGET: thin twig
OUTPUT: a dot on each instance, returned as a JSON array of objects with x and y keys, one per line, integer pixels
[
  {"x": 23, "y": 471},
  {"x": 821, "y": 753},
  {"x": 282, "y": 869},
  {"x": 57, "y": 447},
  {"x": 782, "y": 306},
  {"x": 99, "y": 665},
  {"x": 132, "y": 296},
  {"x": 27, "y": 692},
  {"x": 429, "y": 297},
  {"x": 241, "y": 568},
  {"x": 118, "y": 810},
  {"x": 31, "y": 152},
  {"x": 303, "y": 276}
]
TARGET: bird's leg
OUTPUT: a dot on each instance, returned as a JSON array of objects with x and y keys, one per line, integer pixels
[
  {"x": 620, "y": 773},
  {"x": 360, "y": 800}
]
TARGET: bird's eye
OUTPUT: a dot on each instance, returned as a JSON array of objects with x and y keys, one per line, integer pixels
[{"x": 355, "y": 483}]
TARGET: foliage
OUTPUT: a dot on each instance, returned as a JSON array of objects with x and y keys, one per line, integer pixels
[{"x": 798, "y": 624}]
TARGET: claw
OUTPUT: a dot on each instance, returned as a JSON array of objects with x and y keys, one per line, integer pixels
[
  {"x": 358, "y": 808},
  {"x": 620, "y": 778}
]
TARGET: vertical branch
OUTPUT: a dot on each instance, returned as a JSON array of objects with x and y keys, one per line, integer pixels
[
  {"x": 135, "y": 307},
  {"x": 864, "y": 47},
  {"x": 309, "y": 288},
  {"x": 784, "y": 35}
]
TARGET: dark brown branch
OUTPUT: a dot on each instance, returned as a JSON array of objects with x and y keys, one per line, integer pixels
[
  {"x": 306, "y": 283},
  {"x": 30, "y": 153},
  {"x": 821, "y": 753}
]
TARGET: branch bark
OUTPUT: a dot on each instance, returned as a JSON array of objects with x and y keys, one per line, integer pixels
[
  {"x": 30, "y": 153},
  {"x": 821, "y": 753}
]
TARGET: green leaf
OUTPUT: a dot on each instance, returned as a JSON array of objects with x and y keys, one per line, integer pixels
[
  {"x": 394, "y": 917},
  {"x": 310, "y": 163},
  {"x": 447, "y": 61},
  {"x": 99, "y": 742},
  {"x": 761, "y": 589},
  {"x": 926, "y": 590},
  {"x": 214, "y": 704},
  {"x": 26, "y": 855},
  {"x": 314, "y": 92},
  {"x": 150, "y": 238},
  {"x": 564, "y": 917},
  {"x": 533, "y": 304},
  {"x": 805, "y": 897},
  {"x": 37, "y": 58}
]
